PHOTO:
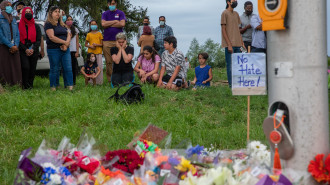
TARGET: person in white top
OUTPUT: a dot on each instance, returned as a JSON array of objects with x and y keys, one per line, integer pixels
[
  {"x": 74, "y": 47},
  {"x": 258, "y": 36}
]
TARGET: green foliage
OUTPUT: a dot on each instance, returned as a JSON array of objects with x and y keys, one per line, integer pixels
[
  {"x": 92, "y": 10},
  {"x": 216, "y": 53},
  {"x": 82, "y": 39},
  {"x": 193, "y": 51},
  {"x": 207, "y": 116},
  {"x": 328, "y": 81}
]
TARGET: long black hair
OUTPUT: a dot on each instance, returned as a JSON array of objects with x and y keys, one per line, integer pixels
[
  {"x": 150, "y": 50},
  {"x": 88, "y": 61},
  {"x": 72, "y": 28}
]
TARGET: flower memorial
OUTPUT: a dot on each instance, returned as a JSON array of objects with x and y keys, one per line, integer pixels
[{"x": 149, "y": 165}]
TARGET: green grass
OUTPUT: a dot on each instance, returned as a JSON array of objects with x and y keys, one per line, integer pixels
[{"x": 205, "y": 117}]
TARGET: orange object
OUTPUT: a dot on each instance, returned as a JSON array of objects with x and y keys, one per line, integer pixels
[
  {"x": 278, "y": 126},
  {"x": 277, "y": 160},
  {"x": 275, "y": 137},
  {"x": 272, "y": 14}
]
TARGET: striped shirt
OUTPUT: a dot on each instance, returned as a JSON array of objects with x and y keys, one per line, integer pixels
[
  {"x": 170, "y": 61},
  {"x": 161, "y": 34}
]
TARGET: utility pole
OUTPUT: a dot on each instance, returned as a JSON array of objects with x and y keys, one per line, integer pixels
[{"x": 297, "y": 76}]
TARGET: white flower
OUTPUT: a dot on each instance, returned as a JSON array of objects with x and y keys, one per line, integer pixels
[
  {"x": 261, "y": 157},
  {"x": 256, "y": 146},
  {"x": 55, "y": 179},
  {"x": 237, "y": 166}
]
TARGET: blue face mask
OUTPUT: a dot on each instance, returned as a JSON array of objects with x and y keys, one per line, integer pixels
[
  {"x": 112, "y": 7},
  {"x": 93, "y": 27},
  {"x": 64, "y": 18},
  {"x": 162, "y": 23},
  {"x": 9, "y": 9}
]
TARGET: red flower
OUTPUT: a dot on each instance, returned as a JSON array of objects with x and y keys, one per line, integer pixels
[
  {"x": 317, "y": 169},
  {"x": 70, "y": 164},
  {"x": 129, "y": 160}
]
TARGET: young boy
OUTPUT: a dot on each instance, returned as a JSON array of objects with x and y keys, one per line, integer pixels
[
  {"x": 173, "y": 64},
  {"x": 203, "y": 72}
]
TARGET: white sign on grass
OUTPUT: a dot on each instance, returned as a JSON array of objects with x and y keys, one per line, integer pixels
[{"x": 249, "y": 74}]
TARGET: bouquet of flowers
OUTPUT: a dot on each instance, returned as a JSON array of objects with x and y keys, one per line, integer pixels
[
  {"x": 129, "y": 160},
  {"x": 143, "y": 147},
  {"x": 106, "y": 176},
  {"x": 151, "y": 133},
  {"x": 259, "y": 153}
]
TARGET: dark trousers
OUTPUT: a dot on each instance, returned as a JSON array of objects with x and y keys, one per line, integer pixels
[
  {"x": 74, "y": 63},
  {"x": 120, "y": 78},
  {"x": 247, "y": 44},
  {"x": 258, "y": 50},
  {"x": 228, "y": 62},
  {"x": 29, "y": 65}
]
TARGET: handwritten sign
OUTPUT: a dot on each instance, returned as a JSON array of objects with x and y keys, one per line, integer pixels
[{"x": 249, "y": 74}]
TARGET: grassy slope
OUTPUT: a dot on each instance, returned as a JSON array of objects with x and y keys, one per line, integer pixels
[{"x": 209, "y": 116}]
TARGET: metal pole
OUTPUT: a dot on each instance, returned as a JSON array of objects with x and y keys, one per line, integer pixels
[{"x": 300, "y": 54}]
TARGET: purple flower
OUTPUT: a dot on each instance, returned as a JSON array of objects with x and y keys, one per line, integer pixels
[
  {"x": 173, "y": 161},
  {"x": 194, "y": 150}
]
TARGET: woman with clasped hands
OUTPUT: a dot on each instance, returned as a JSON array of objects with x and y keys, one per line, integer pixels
[
  {"x": 30, "y": 39},
  {"x": 10, "y": 64},
  {"x": 58, "y": 40}
]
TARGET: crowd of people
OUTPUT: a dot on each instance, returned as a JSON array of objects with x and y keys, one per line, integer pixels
[
  {"x": 159, "y": 61},
  {"x": 240, "y": 33}
]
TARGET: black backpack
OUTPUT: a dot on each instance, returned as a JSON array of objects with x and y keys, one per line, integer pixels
[{"x": 133, "y": 95}]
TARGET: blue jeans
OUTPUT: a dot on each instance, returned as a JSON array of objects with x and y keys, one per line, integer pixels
[
  {"x": 58, "y": 58},
  {"x": 228, "y": 62}
]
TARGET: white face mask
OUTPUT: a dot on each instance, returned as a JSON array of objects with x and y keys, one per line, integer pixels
[{"x": 92, "y": 59}]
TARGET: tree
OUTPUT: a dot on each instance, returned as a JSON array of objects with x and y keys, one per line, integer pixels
[
  {"x": 92, "y": 10},
  {"x": 216, "y": 53},
  {"x": 193, "y": 51}
]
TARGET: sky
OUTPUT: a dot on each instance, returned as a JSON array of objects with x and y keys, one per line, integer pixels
[
  {"x": 199, "y": 19},
  {"x": 189, "y": 19}
]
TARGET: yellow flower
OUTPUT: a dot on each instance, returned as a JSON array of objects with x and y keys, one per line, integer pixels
[
  {"x": 185, "y": 166},
  {"x": 101, "y": 179}
]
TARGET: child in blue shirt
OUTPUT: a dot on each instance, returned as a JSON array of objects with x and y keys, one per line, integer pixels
[{"x": 203, "y": 72}]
